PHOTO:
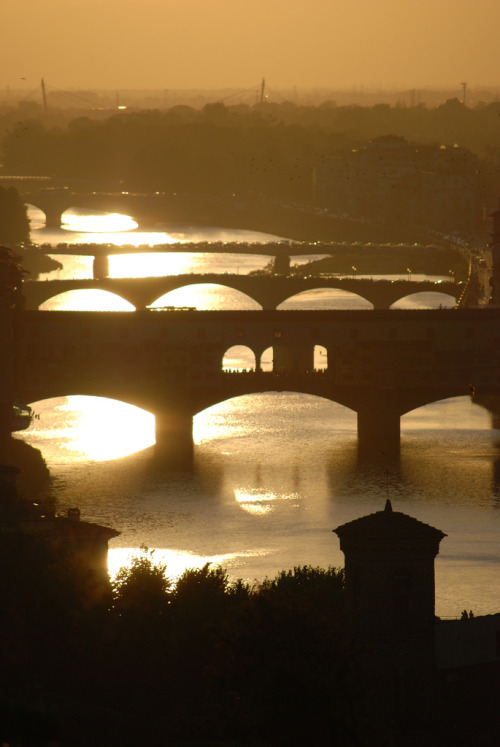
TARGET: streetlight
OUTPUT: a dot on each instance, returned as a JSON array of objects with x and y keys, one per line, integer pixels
[
  {"x": 451, "y": 273},
  {"x": 409, "y": 274}
]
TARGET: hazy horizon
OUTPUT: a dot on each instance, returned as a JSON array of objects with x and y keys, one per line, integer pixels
[{"x": 391, "y": 44}]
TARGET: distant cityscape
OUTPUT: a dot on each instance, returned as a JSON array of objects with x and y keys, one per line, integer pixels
[{"x": 357, "y": 95}]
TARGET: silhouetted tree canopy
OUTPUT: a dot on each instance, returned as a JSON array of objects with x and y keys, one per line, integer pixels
[
  {"x": 202, "y": 659},
  {"x": 14, "y": 224}
]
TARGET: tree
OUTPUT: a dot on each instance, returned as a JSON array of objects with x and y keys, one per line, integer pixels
[
  {"x": 11, "y": 275},
  {"x": 14, "y": 223},
  {"x": 142, "y": 588}
]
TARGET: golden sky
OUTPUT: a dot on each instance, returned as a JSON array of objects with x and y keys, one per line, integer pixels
[{"x": 234, "y": 43}]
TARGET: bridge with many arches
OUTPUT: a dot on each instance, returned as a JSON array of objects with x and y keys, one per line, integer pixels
[
  {"x": 381, "y": 364},
  {"x": 267, "y": 290}
]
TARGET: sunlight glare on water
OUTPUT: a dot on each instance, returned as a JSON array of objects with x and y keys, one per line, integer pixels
[
  {"x": 208, "y": 297},
  {"x": 91, "y": 428},
  {"x": 273, "y": 473},
  {"x": 87, "y": 300},
  {"x": 97, "y": 222},
  {"x": 176, "y": 562},
  {"x": 259, "y": 502}
]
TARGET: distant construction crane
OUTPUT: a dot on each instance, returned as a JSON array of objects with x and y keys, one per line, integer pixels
[
  {"x": 464, "y": 90},
  {"x": 44, "y": 96}
]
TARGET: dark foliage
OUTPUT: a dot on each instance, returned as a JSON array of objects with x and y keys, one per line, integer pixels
[
  {"x": 205, "y": 661},
  {"x": 14, "y": 224},
  {"x": 268, "y": 149}
]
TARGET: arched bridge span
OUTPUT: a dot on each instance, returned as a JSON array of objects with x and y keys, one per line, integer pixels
[
  {"x": 381, "y": 364},
  {"x": 268, "y": 291}
]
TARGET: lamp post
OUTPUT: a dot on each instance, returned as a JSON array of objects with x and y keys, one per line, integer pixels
[
  {"x": 451, "y": 273},
  {"x": 409, "y": 274}
]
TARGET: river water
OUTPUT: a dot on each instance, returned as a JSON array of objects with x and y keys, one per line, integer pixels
[{"x": 273, "y": 473}]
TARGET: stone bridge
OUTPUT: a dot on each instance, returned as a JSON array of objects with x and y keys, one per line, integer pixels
[
  {"x": 381, "y": 364},
  {"x": 268, "y": 291}
]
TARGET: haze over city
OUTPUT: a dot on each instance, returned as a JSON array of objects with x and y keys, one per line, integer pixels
[{"x": 226, "y": 43}]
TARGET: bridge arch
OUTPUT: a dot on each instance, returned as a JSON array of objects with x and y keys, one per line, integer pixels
[
  {"x": 451, "y": 411},
  {"x": 320, "y": 358},
  {"x": 239, "y": 358},
  {"x": 81, "y": 427},
  {"x": 89, "y": 299},
  {"x": 206, "y": 296},
  {"x": 36, "y": 215},
  {"x": 273, "y": 392},
  {"x": 325, "y": 298},
  {"x": 425, "y": 300},
  {"x": 267, "y": 359}
]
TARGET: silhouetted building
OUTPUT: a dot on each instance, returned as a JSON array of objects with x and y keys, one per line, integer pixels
[
  {"x": 389, "y": 567},
  {"x": 421, "y": 680},
  {"x": 395, "y": 181},
  {"x": 83, "y": 542},
  {"x": 495, "y": 258}
]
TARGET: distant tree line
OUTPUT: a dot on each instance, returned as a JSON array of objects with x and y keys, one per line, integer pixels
[{"x": 268, "y": 148}]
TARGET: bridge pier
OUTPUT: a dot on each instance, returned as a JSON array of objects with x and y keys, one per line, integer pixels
[
  {"x": 174, "y": 438},
  {"x": 379, "y": 429},
  {"x": 100, "y": 266},
  {"x": 281, "y": 264},
  {"x": 53, "y": 216}
]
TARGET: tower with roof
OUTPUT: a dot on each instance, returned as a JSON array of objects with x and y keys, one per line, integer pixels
[{"x": 389, "y": 574}]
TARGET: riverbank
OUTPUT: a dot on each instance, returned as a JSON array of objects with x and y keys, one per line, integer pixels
[
  {"x": 299, "y": 223},
  {"x": 34, "y": 475},
  {"x": 34, "y": 261},
  {"x": 396, "y": 260}
]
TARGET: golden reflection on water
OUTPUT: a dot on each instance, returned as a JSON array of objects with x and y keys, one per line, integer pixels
[
  {"x": 150, "y": 264},
  {"x": 259, "y": 501},
  {"x": 176, "y": 561},
  {"x": 127, "y": 429},
  {"x": 87, "y": 300},
  {"x": 97, "y": 222},
  {"x": 208, "y": 297},
  {"x": 92, "y": 428}
]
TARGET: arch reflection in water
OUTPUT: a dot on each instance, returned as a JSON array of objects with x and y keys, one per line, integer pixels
[
  {"x": 82, "y": 428},
  {"x": 260, "y": 501}
]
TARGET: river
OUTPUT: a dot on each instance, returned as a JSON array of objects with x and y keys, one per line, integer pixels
[{"x": 273, "y": 473}]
